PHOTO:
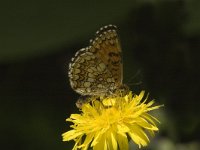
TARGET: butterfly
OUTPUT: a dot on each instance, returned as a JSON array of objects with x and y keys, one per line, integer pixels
[{"x": 97, "y": 69}]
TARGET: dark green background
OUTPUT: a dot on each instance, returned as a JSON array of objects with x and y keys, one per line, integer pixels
[{"x": 161, "y": 48}]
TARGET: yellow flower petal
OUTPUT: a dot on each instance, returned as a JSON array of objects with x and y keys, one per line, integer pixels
[
  {"x": 107, "y": 124},
  {"x": 122, "y": 141},
  {"x": 72, "y": 134}
]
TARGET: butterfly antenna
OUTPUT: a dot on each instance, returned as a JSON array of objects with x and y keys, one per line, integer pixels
[{"x": 130, "y": 82}]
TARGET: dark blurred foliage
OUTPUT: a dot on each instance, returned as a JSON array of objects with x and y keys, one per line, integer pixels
[{"x": 161, "y": 47}]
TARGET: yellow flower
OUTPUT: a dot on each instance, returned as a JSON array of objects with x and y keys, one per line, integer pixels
[{"x": 107, "y": 124}]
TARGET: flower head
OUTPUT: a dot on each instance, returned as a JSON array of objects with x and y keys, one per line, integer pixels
[{"x": 107, "y": 124}]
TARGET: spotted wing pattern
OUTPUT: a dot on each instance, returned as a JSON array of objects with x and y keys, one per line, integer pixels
[{"x": 97, "y": 69}]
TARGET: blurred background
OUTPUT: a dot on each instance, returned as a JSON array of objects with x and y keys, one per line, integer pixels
[{"x": 161, "y": 46}]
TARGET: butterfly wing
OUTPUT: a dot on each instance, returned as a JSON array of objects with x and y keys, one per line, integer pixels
[
  {"x": 107, "y": 47},
  {"x": 88, "y": 74},
  {"x": 97, "y": 69}
]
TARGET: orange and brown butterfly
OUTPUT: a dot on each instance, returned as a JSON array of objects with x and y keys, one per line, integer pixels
[{"x": 97, "y": 70}]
